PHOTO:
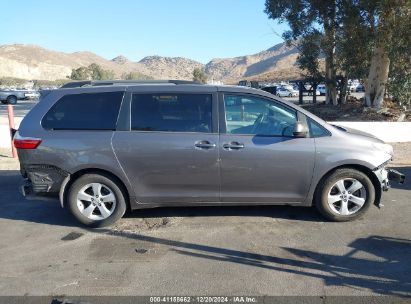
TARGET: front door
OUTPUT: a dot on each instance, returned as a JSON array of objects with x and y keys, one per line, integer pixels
[
  {"x": 170, "y": 153},
  {"x": 261, "y": 161}
]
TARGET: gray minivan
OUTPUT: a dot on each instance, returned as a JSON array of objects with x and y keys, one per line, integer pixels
[{"x": 102, "y": 147}]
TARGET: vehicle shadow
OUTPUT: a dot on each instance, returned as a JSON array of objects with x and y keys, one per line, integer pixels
[
  {"x": 15, "y": 207},
  {"x": 280, "y": 212},
  {"x": 377, "y": 263}
]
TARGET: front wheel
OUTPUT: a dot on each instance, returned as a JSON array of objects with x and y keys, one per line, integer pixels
[
  {"x": 96, "y": 200},
  {"x": 344, "y": 195}
]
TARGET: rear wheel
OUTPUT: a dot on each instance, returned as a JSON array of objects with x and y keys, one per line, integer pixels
[
  {"x": 344, "y": 195},
  {"x": 12, "y": 99},
  {"x": 96, "y": 200}
]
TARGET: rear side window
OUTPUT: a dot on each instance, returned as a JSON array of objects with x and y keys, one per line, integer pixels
[
  {"x": 90, "y": 111},
  {"x": 171, "y": 112}
]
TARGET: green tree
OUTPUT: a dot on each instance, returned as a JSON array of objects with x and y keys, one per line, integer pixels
[
  {"x": 399, "y": 80},
  {"x": 309, "y": 19},
  {"x": 98, "y": 73},
  {"x": 199, "y": 75},
  {"x": 81, "y": 73},
  {"x": 92, "y": 72},
  {"x": 135, "y": 76}
]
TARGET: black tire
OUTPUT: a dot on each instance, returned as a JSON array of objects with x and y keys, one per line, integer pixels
[
  {"x": 290, "y": 95},
  {"x": 11, "y": 99},
  {"x": 106, "y": 180},
  {"x": 325, "y": 186}
]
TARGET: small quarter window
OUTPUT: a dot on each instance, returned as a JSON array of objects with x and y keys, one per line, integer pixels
[
  {"x": 316, "y": 130},
  {"x": 89, "y": 111}
]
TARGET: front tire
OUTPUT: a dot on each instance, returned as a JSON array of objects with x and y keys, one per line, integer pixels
[
  {"x": 344, "y": 195},
  {"x": 96, "y": 200}
]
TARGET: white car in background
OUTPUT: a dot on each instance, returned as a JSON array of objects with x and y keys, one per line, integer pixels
[
  {"x": 322, "y": 89},
  {"x": 283, "y": 92}
]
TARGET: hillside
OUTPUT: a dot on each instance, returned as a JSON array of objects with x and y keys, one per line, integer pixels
[{"x": 35, "y": 62}]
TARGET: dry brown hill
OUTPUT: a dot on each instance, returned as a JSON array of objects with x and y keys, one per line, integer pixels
[{"x": 34, "y": 62}]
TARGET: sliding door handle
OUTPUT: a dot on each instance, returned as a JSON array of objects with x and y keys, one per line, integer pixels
[{"x": 204, "y": 144}]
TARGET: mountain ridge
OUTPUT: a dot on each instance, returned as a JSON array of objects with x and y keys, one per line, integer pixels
[{"x": 28, "y": 61}]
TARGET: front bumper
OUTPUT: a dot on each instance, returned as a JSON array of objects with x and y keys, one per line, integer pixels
[
  {"x": 396, "y": 176},
  {"x": 385, "y": 176}
]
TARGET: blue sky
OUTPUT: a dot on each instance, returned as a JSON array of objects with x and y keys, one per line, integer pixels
[{"x": 196, "y": 29}]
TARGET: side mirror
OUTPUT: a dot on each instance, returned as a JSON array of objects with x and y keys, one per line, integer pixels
[{"x": 300, "y": 130}]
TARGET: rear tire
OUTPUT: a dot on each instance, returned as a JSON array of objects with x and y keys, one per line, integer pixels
[
  {"x": 344, "y": 195},
  {"x": 11, "y": 99},
  {"x": 96, "y": 200}
]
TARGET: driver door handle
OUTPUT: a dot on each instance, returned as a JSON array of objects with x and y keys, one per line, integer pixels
[{"x": 233, "y": 146}]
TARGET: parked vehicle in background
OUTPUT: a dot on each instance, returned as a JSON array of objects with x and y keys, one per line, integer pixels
[
  {"x": 251, "y": 84},
  {"x": 322, "y": 89},
  {"x": 283, "y": 92},
  {"x": 270, "y": 89},
  {"x": 8, "y": 96},
  {"x": 103, "y": 147},
  {"x": 360, "y": 88}
]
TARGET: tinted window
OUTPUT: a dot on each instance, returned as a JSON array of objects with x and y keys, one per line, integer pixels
[
  {"x": 91, "y": 111},
  {"x": 171, "y": 112},
  {"x": 316, "y": 130},
  {"x": 257, "y": 116}
]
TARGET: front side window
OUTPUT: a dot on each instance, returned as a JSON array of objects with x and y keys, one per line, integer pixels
[
  {"x": 257, "y": 116},
  {"x": 90, "y": 111},
  {"x": 171, "y": 112}
]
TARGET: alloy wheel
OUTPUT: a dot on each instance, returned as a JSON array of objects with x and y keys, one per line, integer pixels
[
  {"x": 347, "y": 196},
  {"x": 96, "y": 201}
]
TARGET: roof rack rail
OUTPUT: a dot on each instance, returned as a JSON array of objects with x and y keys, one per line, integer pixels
[{"x": 93, "y": 83}]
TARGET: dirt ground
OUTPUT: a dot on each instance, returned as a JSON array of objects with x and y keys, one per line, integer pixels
[{"x": 354, "y": 110}]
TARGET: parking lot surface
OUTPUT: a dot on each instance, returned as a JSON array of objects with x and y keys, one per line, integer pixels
[{"x": 270, "y": 250}]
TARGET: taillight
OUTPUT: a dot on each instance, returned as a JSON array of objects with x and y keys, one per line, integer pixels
[{"x": 21, "y": 142}]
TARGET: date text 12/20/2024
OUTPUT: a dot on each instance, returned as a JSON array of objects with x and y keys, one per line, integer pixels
[{"x": 203, "y": 299}]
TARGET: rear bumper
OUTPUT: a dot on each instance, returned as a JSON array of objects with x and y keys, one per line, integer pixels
[
  {"x": 43, "y": 178},
  {"x": 27, "y": 191},
  {"x": 42, "y": 182}
]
